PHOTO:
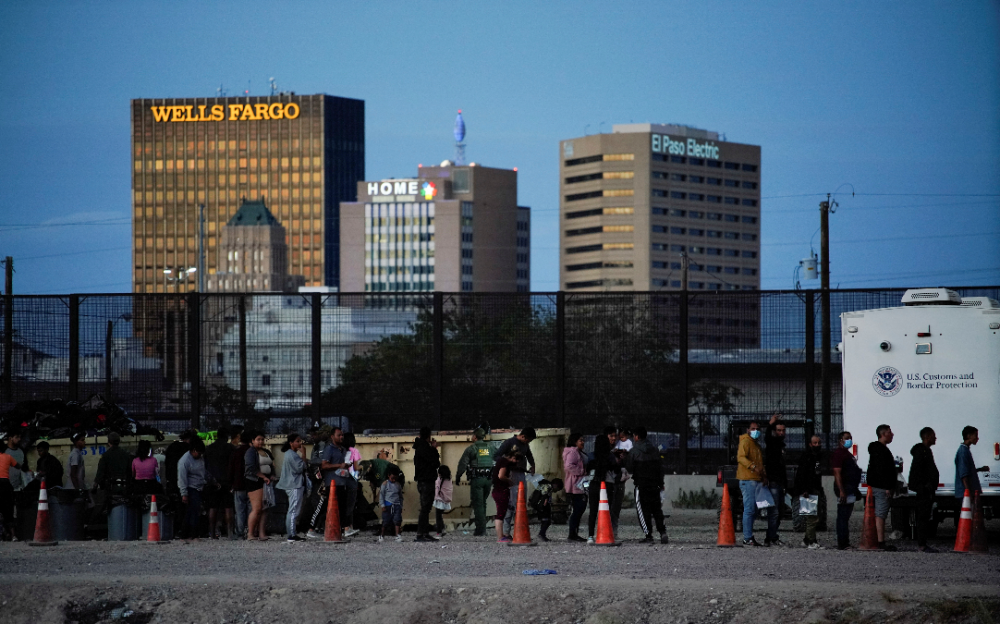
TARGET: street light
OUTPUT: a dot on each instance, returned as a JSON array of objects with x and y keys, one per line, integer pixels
[
  {"x": 108, "y": 352},
  {"x": 179, "y": 275}
]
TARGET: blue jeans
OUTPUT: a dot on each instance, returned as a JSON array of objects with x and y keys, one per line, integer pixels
[
  {"x": 843, "y": 520},
  {"x": 774, "y": 513},
  {"x": 193, "y": 513},
  {"x": 294, "y": 507},
  {"x": 579, "y": 502},
  {"x": 242, "y": 503},
  {"x": 748, "y": 489}
]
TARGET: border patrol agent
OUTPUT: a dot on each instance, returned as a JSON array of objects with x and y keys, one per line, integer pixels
[{"x": 477, "y": 460}]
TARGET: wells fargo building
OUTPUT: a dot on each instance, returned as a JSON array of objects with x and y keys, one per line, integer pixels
[{"x": 301, "y": 154}]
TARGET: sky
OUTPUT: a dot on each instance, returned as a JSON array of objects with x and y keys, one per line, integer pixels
[{"x": 898, "y": 102}]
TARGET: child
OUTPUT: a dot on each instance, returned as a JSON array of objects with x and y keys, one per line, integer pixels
[
  {"x": 501, "y": 489},
  {"x": 541, "y": 502},
  {"x": 390, "y": 498},
  {"x": 442, "y": 497}
]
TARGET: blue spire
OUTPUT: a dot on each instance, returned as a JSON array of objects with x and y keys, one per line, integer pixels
[{"x": 459, "y": 127}]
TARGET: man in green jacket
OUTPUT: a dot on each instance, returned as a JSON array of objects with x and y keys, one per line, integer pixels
[
  {"x": 477, "y": 461},
  {"x": 750, "y": 471}
]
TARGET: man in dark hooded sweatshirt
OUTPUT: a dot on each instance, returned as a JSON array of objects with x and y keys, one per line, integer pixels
[
  {"x": 644, "y": 464},
  {"x": 923, "y": 480},
  {"x": 425, "y": 464}
]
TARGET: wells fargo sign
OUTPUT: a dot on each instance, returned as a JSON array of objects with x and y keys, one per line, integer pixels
[{"x": 217, "y": 112}]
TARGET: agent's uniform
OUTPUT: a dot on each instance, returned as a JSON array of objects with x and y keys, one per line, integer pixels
[{"x": 477, "y": 460}]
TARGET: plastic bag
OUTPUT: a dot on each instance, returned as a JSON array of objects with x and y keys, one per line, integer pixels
[
  {"x": 808, "y": 505},
  {"x": 763, "y": 496},
  {"x": 443, "y": 506}
]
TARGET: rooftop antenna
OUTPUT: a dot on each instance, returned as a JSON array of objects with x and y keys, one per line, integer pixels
[
  {"x": 247, "y": 91},
  {"x": 274, "y": 86},
  {"x": 459, "y": 137},
  {"x": 221, "y": 91}
]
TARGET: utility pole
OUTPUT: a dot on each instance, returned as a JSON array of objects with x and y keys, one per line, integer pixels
[
  {"x": 682, "y": 353},
  {"x": 8, "y": 331},
  {"x": 684, "y": 271},
  {"x": 825, "y": 208}
]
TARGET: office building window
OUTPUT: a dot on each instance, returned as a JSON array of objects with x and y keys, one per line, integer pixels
[
  {"x": 581, "y": 196},
  {"x": 749, "y": 254},
  {"x": 694, "y": 214},
  {"x": 674, "y": 212},
  {"x": 713, "y": 163},
  {"x": 750, "y": 168},
  {"x": 750, "y": 220},
  {"x": 732, "y": 200},
  {"x": 460, "y": 180},
  {"x": 749, "y": 185},
  {"x": 582, "y": 161},
  {"x": 696, "y": 232},
  {"x": 677, "y": 195},
  {"x": 696, "y": 197},
  {"x": 678, "y": 159},
  {"x": 749, "y": 202},
  {"x": 583, "y": 178},
  {"x": 696, "y": 161},
  {"x": 732, "y": 165},
  {"x": 696, "y": 179},
  {"x": 731, "y": 183}
]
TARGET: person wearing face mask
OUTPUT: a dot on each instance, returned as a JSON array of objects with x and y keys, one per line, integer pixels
[
  {"x": 750, "y": 473},
  {"x": 808, "y": 482},
  {"x": 881, "y": 477},
  {"x": 846, "y": 478},
  {"x": 777, "y": 482}
]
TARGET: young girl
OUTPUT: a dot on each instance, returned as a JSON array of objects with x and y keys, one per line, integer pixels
[
  {"x": 442, "y": 497},
  {"x": 390, "y": 499}
]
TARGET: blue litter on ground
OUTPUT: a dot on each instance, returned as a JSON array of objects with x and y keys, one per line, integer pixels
[{"x": 539, "y": 572}]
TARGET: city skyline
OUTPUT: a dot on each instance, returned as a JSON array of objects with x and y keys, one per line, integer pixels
[{"x": 898, "y": 105}]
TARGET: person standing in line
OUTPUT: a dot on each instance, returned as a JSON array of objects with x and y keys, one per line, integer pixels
[
  {"x": 336, "y": 472},
  {"x": 48, "y": 467},
  {"x": 354, "y": 465},
  {"x": 173, "y": 454},
  {"x": 616, "y": 497},
  {"x": 647, "y": 469},
  {"x": 846, "y": 478},
  {"x": 517, "y": 472},
  {"x": 267, "y": 492},
  {"x": 238, "y": 483},
  {"x": 319, "y": 437},
  {"x": 574, "y": 469},
  {"x": 777, "y": 476},
  {"x": 966, "y": 473},
  {"x": 809, "y": 482},
  {"x": 881, "y": 478},
  {"x": 390, "y": 499},
  {"x": 751, "y": 473},
  {"x": 255, "y": 481},
  {"x": 443, "y": 490},
  {"x": 191, "y": 481},
  {"x": 77, "y": 468},
  {"x": 7, "y": 496},
  {"x": 219, "y": 499},
  {"x": 606, "y": 468},
  {"x": 20, "y": 476},
  {"x": 923, "y": 480},
  {"x": 145, "y": 471},
  {"x": 115, "y": 467},
  {"x": 293, "y": 482},
  {"x": 477, "y": 461},
  {"x": 426, "y": 460},
  {"x": 502, "y": 483}
]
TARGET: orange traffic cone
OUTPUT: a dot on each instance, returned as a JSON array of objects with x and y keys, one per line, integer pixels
[
  {"x": 43, "y": 530},
  {"x": 605, "y": 534},
  {"x": 727, "y": 534},
  {"x": 522, "y": 535},
  {"x": 869, "y": 534},
  {"x": 964, "y": 535},
  {"x": 153, "y": 532},
  {"x": 333, "y": 534},
  {"x": 977, "y": 543}
]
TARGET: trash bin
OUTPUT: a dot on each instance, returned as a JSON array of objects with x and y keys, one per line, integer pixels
[
  {"x": 66, "y": 513},
  {"x": 166, "y": 526},
  {"x": 123, "y": 524}
]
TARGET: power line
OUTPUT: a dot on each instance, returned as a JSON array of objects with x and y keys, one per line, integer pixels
[
  {"x": 35, "y": 226},
  {"x": 75, "y": 253},
  {"x": 889, "y": 238}
]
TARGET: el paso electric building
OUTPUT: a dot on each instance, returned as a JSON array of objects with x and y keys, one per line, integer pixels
[
  {"x": 635, "y": 201},
  {"x": 301, "y": 154}
]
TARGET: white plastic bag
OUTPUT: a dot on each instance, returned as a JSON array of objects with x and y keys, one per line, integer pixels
[
  {"x": 808, "y": 505},
  {"x": 763, "y": 497},
  {"x": 443, "y": 506}
]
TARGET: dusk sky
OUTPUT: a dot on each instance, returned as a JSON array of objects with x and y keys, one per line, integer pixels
[{"x": 898, "y": 100}]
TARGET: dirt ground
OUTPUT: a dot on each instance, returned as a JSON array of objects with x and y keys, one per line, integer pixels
[{"x": 474, "y": 580}]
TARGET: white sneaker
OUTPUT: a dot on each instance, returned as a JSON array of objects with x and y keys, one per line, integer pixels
[
  {"x": 590, "y": 540},
  {"x": 399, "y": 538},
  {"x": 380, "y": 539},
  {"x": 350, "y": 532},
  {"x": 313, "y": 535},
  {"x": 815, "y": 546}
]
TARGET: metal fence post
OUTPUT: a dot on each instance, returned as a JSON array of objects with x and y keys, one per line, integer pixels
[
  {"x": 244, "y": 400},
  {"x": 108, "y": 344},
  {"x": 810, "y": 369},
  {"x": 317, "y": 356},
  {"x": 74, "y": 347},
  {"x": 8, "y": 344},
  {"x": 438, "y": 357},
  {"x": 561, "y": 356},
  {"x": 683, "y": 363},
  {"x": 194, "y": 356}
]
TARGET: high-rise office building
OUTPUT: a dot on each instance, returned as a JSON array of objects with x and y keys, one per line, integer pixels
[
  {"x": 302, "y": 154},
  {"x": 637, "y": 203},
  {"x": 451, "y": 228}
]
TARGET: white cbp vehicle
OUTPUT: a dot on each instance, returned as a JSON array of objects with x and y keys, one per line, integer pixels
[{"x": 934, "y": 362}]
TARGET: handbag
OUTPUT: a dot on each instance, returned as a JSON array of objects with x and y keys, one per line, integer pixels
[
  {"x": 808, "y": 505},
  {"x": 763, "y": 497},
  {"x": 443, "y": 506}
]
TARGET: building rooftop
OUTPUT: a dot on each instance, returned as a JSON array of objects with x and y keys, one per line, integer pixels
[
  {"x": 675, "y": 129},
  {"x": 253, "y": 213}
]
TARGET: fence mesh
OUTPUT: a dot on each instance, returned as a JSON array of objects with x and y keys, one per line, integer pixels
[{"x": 448, "y": 360}]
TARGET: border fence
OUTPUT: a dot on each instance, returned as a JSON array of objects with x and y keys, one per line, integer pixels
[{"x": 682, "y": 364}]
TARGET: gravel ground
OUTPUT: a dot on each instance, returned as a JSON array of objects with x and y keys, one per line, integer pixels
[{"x": 466, "y": 579}]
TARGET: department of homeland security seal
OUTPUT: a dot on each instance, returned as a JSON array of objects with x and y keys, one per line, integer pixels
[{"x": 887, "y": 381}]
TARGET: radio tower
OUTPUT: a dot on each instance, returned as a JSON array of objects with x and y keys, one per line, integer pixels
[{"x": 459, "y": 137}]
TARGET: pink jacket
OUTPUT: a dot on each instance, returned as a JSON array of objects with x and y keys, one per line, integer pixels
[
  {"x": 574, "y": 467},
  {"x": 443, "y": 490}
]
